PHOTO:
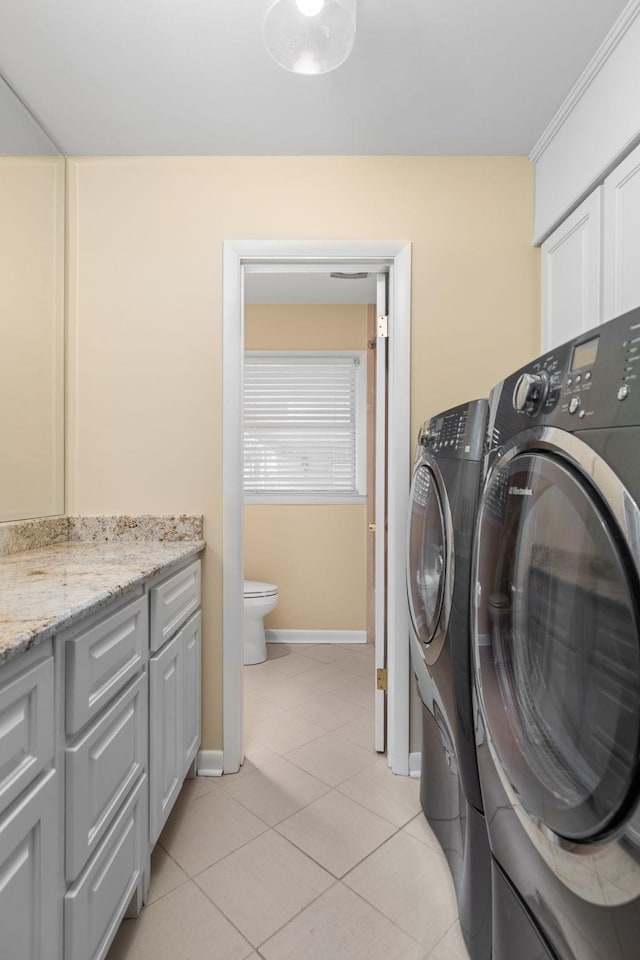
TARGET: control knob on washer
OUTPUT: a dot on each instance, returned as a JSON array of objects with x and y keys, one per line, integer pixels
[{"x": 530, "y": 392}]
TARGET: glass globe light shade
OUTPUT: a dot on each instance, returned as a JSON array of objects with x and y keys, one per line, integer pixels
[{"x": 310, "y": 36}]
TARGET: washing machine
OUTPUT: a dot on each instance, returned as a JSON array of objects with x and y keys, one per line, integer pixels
[
  {"x": 556, "y": 647},
  {"x": 444, "y": 497}
]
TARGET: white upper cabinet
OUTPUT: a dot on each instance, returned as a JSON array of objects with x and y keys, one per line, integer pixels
[
  {"x": 622, "y": 237},
  {"x": 571, "y": 274}
]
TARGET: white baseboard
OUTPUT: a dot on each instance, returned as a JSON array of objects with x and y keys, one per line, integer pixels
[
  {"x": 415, "y": 765},
  {"x": 316, "y": 636},
  {"x": 210, "y": 763}
]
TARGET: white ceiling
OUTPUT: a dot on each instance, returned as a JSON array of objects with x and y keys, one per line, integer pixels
[
  {"x": 192, "y": 76},
  {"x": 307, "y": 288}
]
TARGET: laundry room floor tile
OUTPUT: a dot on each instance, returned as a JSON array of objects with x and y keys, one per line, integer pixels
[
  {"x": 207, "y": 829},
  {"x": 420, "y": 829},
  {"x": 182, "y": 926},
  {"x": 166, "y": 875},
  {"x": 340, "y": 926},
  {"x": 277, "y": 790},
  {"x": 336, "y": 832},
  {"x": 322, "y": 854},
  {"x": 264, "y": 885},
  {"x": 411, "y": 885},
  {"x": 397, "y": 799},
  {"x": 331, "y": 758},
  {"x": 451, "y": 947}
]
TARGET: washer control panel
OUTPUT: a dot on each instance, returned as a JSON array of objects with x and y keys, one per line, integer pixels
[
  {"x": 590, "y": 382},
  {"x": 458, "y": 433}
]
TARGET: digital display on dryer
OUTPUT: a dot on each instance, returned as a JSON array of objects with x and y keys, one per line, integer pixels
[{"x": 584, "y": 354}]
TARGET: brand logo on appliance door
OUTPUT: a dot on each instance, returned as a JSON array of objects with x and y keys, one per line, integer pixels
[{"x": 521, "y": 491}]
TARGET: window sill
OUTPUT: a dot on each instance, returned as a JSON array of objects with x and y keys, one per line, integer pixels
[{"x": 302, "y": 499}]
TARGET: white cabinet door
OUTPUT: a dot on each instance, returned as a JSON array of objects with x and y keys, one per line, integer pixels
[
  {"x": 30, "y": 906},
  {"x": 192, "y": 641},
  {"x": 571, "y": 275},
  {"x": 622, "y": 237},
  {"x": 166, "y": 732}
]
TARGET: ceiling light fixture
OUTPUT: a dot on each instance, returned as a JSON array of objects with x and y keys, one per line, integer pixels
[{"x": 310, "y": 36}]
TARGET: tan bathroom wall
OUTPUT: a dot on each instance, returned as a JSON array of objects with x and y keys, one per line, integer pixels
[
  {"x": 316, "y": 555},
  {"x": 297, "y": 546},
  {"x": 31, "y": 336},
  {"x": 145, "y": 310}
]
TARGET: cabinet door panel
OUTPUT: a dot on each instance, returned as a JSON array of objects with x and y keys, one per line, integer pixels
[
  {"x": 101, "y": 768},
  {"x": 571, "y": 275},
  {"x": 192, "y": 639},
  {"x": 26, "y": 729},
  {"x": 166, "y": 732},
  {"x": 102, "y": 660},
  {"x": 95, "y": 905},
  {"x": 622, "y": 237},
  {"x": 29, "y": 904}
]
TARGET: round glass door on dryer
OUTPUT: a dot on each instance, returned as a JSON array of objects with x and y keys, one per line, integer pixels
[
  {"x": 556, "y": 630},
  {"x": 429, "y": 561}
]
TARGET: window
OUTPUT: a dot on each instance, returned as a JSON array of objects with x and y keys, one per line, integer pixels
[{"x": 304, "y": 426}]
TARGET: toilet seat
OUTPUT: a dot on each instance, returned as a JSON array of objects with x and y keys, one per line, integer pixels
[{"x": 255, "y": 588}]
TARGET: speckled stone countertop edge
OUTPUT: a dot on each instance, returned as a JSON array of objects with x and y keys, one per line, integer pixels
[{"x": 42, "y": 629}]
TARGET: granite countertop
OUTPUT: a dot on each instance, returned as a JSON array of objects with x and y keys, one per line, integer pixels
[{"x": 45, "y": 590}]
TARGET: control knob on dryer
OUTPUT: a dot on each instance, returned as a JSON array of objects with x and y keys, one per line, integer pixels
[{"x": 530, "y": 392}]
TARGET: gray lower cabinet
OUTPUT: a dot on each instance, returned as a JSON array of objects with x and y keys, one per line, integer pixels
[
  {"x": 96, "y": 738},
  {"x": 174, "y": 718},
  {"x": 97, "y": 902},
  {"x": 101, "y": 767},
  {"x": 26, "y": 723},
  {"x": 166, "y": 725},
  {"x": 192, "y": 712},
  {"x": 29, "y": 904}
]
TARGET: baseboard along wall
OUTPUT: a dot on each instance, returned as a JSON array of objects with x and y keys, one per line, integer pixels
[{"x": 316, "y": 636}]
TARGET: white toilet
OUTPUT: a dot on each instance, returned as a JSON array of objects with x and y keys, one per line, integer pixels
[{"x": 259, "y": 600}]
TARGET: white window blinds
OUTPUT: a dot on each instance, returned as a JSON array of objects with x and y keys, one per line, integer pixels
[{"x": 302, "y": 424}]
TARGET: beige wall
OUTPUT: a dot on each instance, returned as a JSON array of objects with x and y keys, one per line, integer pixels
[
  {"x": 31, "y": 336},
  {"x": 296, "y": 545},
  {"x": 317, "y": 556},
  {"x": 145, "y": 303}
]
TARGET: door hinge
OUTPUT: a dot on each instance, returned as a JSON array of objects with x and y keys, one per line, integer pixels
[
  {"x": 372, "y": 528},
  {"x": 383, "y": 326},
  {"x": 381, "y": 678}
]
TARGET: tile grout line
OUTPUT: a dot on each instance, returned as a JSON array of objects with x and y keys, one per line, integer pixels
[{"x": 334, "y": 880}]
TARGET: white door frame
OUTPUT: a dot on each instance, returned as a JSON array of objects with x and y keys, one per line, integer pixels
[{"x": 237, "y": 254}]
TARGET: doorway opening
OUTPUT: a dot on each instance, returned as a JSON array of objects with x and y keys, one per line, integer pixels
[{"x": 248, "y": 259}]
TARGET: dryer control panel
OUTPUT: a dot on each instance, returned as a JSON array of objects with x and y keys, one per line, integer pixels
[
  {"x": 590, "y": 382},
  {"x": 458, "y": 433}
]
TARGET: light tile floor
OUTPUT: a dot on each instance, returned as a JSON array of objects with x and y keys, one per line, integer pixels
[{"x": 314, "y": 850}]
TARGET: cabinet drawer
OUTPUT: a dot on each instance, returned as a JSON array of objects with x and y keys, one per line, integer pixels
[
  {"x": 101, "y": 767},
  {"x": 95, "y": 905},
  {"x": 29, "y": 899},
  {"x": 173, "y": 602},
  {"x": 26, "y": 728},
  {"x": 101, "y": 661}
]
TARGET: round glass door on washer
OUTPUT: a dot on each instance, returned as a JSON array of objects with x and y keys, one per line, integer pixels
[
  {"x": 443, "y": 502},
  {"x": 557, "y": 652}
]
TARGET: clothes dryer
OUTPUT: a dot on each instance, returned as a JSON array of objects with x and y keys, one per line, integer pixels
[
  {"x": 443, "y": 502},
  {"x": 557, "y": 650}
]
